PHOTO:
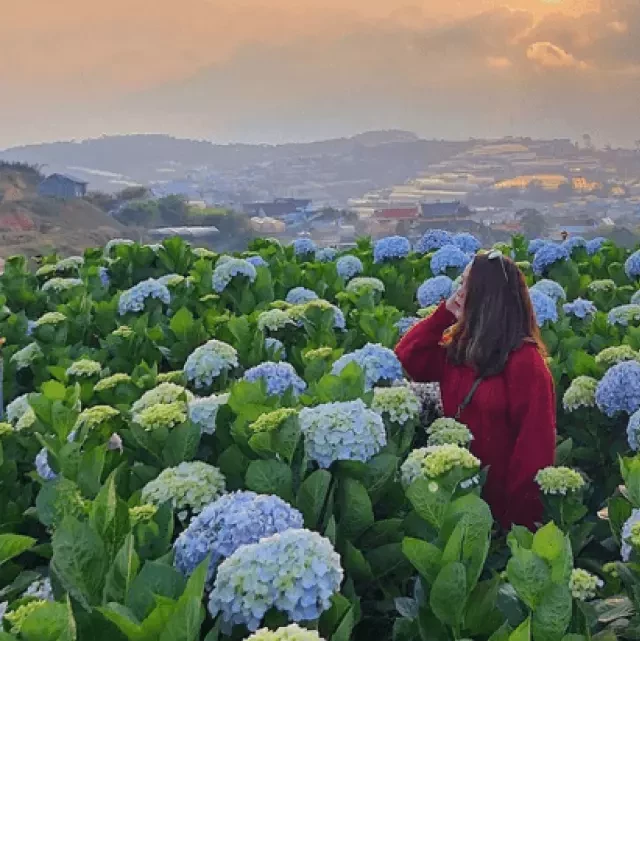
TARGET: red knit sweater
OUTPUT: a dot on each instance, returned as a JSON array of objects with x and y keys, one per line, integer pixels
[{"x": 511, "y": 415}]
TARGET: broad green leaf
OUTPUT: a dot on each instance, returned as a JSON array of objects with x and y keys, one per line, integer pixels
[
  {"x": 12, "y": 545},
  {"x": 186, "y": 619},
  {"x": 356, "y": 511},
  {"x": 90, "y": 468},
  {"x": 182, "y": 444},
  {"x": 110, "y": 519},
  {"x": 270, "y": 477},
  {"x": 155, "y": 578},
  {"x": 312, "y": 497},
  {"x": 122, "y": 571},
  {"x": 529, "y": 575},
  {"x": 53, "y": 620},
  {"x": 523, "y": 631},
  {"x": 286, "y": 438},
  {"x": 337, "y": 623},
  {"x": 449, "y": 594},
  {"x": 56, "y": 499},
  {"x": 423, "y": 556},
  {"x": 552, "y": 615},
  {"x": 429, "y": 500},
  {"x": 555, "y": 549},
  {"x": 389, "y": 561},
  {"x": 181, "y": 322},
  {"x": 79, "y": 561},
  {"x": 482, "y": 616}
]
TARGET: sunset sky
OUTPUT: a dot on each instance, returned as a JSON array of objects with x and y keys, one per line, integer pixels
[{"x": 251, "y": 70}]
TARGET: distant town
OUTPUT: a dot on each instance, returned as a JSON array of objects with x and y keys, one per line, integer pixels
[{"x": 375, "y": 184}]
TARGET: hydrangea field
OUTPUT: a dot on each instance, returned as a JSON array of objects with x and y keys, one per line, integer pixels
[{"x": 205, "y": 447}]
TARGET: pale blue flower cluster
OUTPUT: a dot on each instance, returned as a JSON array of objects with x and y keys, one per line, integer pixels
[
  {"x": 580, "y": 308},
  {"x": 43, "y": 468},
  {"x": 300, "y": 295},
  {"x": 31, "y": 325},
  {"x": 326, "y": 255},
  {"x": 279, "y": 377},
  {"x": 619, "y": 389},
  {"x": 348, "y": 267},
  {"x": 274, "y": 347},
  {"x": 342, "y": 431},
  {"x": 635, "y": 299},
  {"x": 547, "y": 255},
  {"x": 633, "y": 431},
  {"x": 467, "y": 242},
  {"x": 225, "y": 272},
  {"x": 203, "y": 411},
  {"x": 103, "y": 274},
  {"x": 632, "y": 266},
  {"x": 433, "y": 239},
  {"x": 304, "y": 246},
  {"x": 594, "y": 246},
  {"x": 626, "y": 547},
  {"x": 208, "y": 361},
  {"x": 622, "y": 315},
  {"x": 434, "y": 290},
  {"x": 257, "y": 261},
  {"x": 573, "y": 243},
  {"x": 535, "y": 245},
  {"x": 391, "y": 249},
  {"x": 550, "y": 288},
  {"x": 295, "y": 572},
  {"x": 235, "y": 519},
  {"x": 544, "y": 307},
  {"x": 449, "y": 258},
  {"x": 379, "y": 364},
  {"x": 405, "y": 323},
  {"x": 132, "y": 301}
]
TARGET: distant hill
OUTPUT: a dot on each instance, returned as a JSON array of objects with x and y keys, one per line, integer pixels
[{"x": 33, "y": 225}]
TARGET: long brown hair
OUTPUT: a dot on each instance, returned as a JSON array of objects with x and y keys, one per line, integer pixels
[{"x": 497, "y": 317}]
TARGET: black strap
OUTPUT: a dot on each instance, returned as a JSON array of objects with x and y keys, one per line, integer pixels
[{"x": 463, "y": 405}]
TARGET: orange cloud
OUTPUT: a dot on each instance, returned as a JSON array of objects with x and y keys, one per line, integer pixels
[{"x": 548, "y": 55}]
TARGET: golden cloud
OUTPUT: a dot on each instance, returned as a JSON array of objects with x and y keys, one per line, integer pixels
[{"x": 548, "y": 55}]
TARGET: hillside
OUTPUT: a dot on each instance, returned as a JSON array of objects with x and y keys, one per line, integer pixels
[{"x": 32, "y": 225}]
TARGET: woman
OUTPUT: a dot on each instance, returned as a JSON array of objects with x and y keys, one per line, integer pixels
[{"x": 484, "y": 348}]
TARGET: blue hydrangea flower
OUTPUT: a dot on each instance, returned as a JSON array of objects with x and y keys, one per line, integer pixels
[
  {"x": 619, "y": 389},
  {"x": 573, "y": 243},
  {"x": 43, "y": 468},
  {"x": 550, "y": 288},
  {"x": 303, "y": 246},
  {"x": 203, "y": 411},
  {"x": 225, "y": 272},
  {"x": 467, "y": 242},
  {"x": 632, "y": 266},
  {"x": 300, "y": 295},
  {"x": 633, "y": 431},
  {"x": 622, "y": 315},
  {"x": 378, "y": 363},
  {"x": 627, "y": 548},
  {"x": 535, "y": 245},
  {"x": 326, "y": 255},
  {"x": 391, "y": 249},
  {"x": 449, "y": 258},
  {"x": 434, "y": 290},
  {"x": 581, "y": 308},
  {"x": 547, "y": 255},
  {"x": 433, "y": 239},
  {"x": 296, "y": 572},
  {"x": 405, "y": 323},
  {"x": 257, "y": 261},
  {"x": 103, "y": 273},
  {"x": 31, "y": 325},
  {"x": 544, "y": 307},
  {"x": 208, "y": 361},
  {"x": 594, "y": 246},
  {"x": 233, "y": 520},
  {"x": 274, "y": 346},
  {"x": 279, "y": 377},
  {"x": 348, "y": 267},
  {"x": 132, "y": 301},
  {"x": 342, "y": 431}
]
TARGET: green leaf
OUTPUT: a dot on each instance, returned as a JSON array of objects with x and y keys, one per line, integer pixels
[
  {"x": 389, "y": 560},
  {"x": 90, "y": 468},
  {"x": 122, "y": 571},
  {"x": 186, "y": 619},
  {"x": 181, "y": 322},
  {"x": 53, "y": 620},
  {"x": 79, "y": 561},
  {"x": 356, "y": 511},
  {"x": 552, "y": 616},
  {"x": 56, "y": 499},
  {"x": 270, "y": 477},
  {"x": 555, "y": 549},
  {"x": 429, "y": 500},
  {"x": 156, "y": 578},
  {"x": 337, "y": 622},
  {"x": 12, "y": 545},
  {"x": 182, "y": 444},
  {"x": 529, "y": 575},
  {"x": 286, "y": 438},
  {"x": 53, "y": 390},
  {"x": 449, "y": 594},
  {"x": 312, "y": 497},
  {"x": 523, "y": 631},
  {"x": 110, "y": 519},
  {"x": 423, "y": 556},
  {"x": 482, "y": 616}
]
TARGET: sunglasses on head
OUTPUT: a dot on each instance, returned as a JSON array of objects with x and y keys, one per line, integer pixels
[{"x": 496, "y": 255}]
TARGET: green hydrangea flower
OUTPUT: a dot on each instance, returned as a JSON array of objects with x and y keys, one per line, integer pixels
[
  {"x": 95, "y": 416},
  {"x": 45, "y": 270},
  {"x": 449, "y": 431},
  {"x": 190, "y": 486},
  {"x": 16, "y": 618},
  {"x": 61, "y": 285},
  {"x": 362, "y": 283},
  {"x": 559, "y": 480},
  {"x": 434, "y": 462},
  {"x": 142, "y": 513},
  {"x": 161, "y": 415},
  {"x": 321, "y": 352},
  {"x": 427, "y": 312},
  {"x": 110, "y": 382},
  {"x": 273, "y": 320},
  {"x": 290, "y": 632},
  {"x": 84, "y": 367},
  {"x": 398, "y": 403},
  {"x": 26, "y": 421},
  {"x": 123, "y": 332},
  {"x": 271, "y": 421},
  {"x": 51, "y": 318},
  {"x": 614, "y": 355},
  {"x": 584, "y": 585},
  {"x": 166, "y": 392},
  {"x": 26, "y": 356},
  {"x": 603, "y": 285},
  {"x": 174, "y": 377},
  {"x": 580, "y": 394},
  {"x": 5, "y": 429}
]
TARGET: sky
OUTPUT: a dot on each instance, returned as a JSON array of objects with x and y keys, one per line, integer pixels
[{"x": 297, "y": 70}]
